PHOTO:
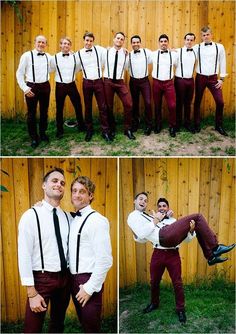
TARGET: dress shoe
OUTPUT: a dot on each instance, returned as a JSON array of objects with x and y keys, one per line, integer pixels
[
  {"x": 172, "y": 132},
  {"x": 34, "y": 143},
  {"x": 150, "y": 308},
  {"x": 59, "y": 135},
  {"x": 147, "y": 131},
  {"x": 44, "y": 137},
  {"x": 88, "y": 136},
  {"x": 107, "y": 137},
  {"x": 221, "y": 131},
  {"x": 215, "y": 260},
  {"x": 197, "y": 128},
  {"x": 129, "y": 134},
  {"x": 182, "y": 317},
  {"x": 157, "y": 129},
  {"x": 221, "y": 249},
  {"x": 81, "y": 128},
  {"x": 189, "y": 128}
]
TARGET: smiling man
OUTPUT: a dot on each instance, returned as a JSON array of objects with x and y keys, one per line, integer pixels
[{"x": 89, "y": 253}]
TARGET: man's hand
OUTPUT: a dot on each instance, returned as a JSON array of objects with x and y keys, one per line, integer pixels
[
  {"x": 170, "y": 213},
  {"x": 29, "y": 93},
  {"x": 37, "y": 304},
  {"x": 158, "y": 216},
  {"x": 192, "y": 226},
  {"x": 219, "y": 84},
  {"x": 82, "y": 296}
]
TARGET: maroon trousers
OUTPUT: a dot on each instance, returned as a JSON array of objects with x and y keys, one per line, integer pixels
[
  {"x": 95, "y": 87},
  {"x": 167, "y": 89},
  {"x": 53, "y": 287},
  {"x": 172, "y": 235},
  {"x": 42, "y": 94},
  {"x": 184, "y": 89},
  {"x": 169, "y": 259},
  {"x": 89, "y": 315},
  {"x": 201, "y": 82},
  {"x": 142, "y": 86},
  {"x": 62, "y": 90},
  {"x": 119, "y": 87}
]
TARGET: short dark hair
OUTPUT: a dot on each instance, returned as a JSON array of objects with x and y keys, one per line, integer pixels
[
  {"x": 55, "y": 169},
  {"x": 190, "y": 34},
  {"x": 162, "y": 199},
  {"x": 205, "y": 29},
  {"x": 119, "y": 32},
  {"x": 89, "y": 34},
  {"x": 135, "y": 36},
  {"x": 163, "y": 36},
  {"x": 142, "y": 193},
  {"x": 86, "y": 182}
]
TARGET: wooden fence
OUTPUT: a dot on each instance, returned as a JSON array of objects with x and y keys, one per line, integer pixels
[
  {"x": 24, "y": 185},
  {"x": 55, "y": 19},
  {"x": 190, "y": 185}
]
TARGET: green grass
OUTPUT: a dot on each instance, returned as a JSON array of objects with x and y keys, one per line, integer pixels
[{"x": 209, "y": 309}]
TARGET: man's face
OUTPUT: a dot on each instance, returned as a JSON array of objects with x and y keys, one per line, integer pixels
[
  {"x": 80, "y": 197},
  {"x": 136, "y": 44},
  {"x": 163, "y": 43},
  {"x": 162, "y": 207},
  {"x": 189, "y": 41},
  {"x": 54, "y": 187},
  {"x": 119, "y": 40},
  {"x": 88, "y": 42},
  {"x": 140, "y": 202},
  {"x": 40, "y": 43},
  {"x": 206, "y": 36},
  {"x": 65, "y": 46}
]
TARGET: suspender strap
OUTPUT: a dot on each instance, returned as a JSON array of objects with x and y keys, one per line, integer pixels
[
  {"x": 82, "y": 65},
  {"x": 170, "y": 64},
  {"x": 78, "y": 242},
  {"x": 108, "y": 71},
  {"x": 158, "y": 56},
  {"x": 146, "y": 217},
  {"x": 32, "y": 57},
  {"x": 199, "y": 59},
  {"x": 131, "y": 70},
  {"x": 146, "y": 69},
  {"x": 73, "y": 71},
  {"x": 123, "y": 67},
  {"x": 40, "y": 240},
  {"x": 58, "y": 70},
  {"x": 97, "y": 62},
  {"x": 181, "y": 62},
  {"x": 195, "y": 60},
  {"x": 67, "y": 257},
  {"x": 216, "y": 57},
  {"x": 47, "y": 67}
]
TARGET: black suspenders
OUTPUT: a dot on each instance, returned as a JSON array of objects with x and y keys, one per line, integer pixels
[
  {"x": 199, "y": 59},
  {"x": 33, "y": 72},
  {"x": 82, "y": 65},
  {"x": 108, "y": 71},
  {"x": 216, "y": 57},
  {"x": 217, "y": 51},
  {"x": 170, "y": 63},
  {"x": 131, "y": 65},
  {"x": 78, "y": 241},
  {"x": 145, "y": 74},
  {"x": 158, "y": 57},
  {"x": 99, "y": 76},
  {"x": 97, "y": 62},
  {"x": 181, "y": 62},
  {"x": 123, "y": 67},
  {"x": 59, "y": 72}
]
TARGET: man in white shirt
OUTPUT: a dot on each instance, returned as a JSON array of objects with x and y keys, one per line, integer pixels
[
  {"x": 115, "y": 62},
  {"x": 42, "y": 257},
  {"x": 33, "y": 78},
  {"x": 89, "y": 254},
  {"x": 184, "y": 81},
  {"x": 66, "y": 67},
  {"x": 164, "y": 61},
  {"x": 139, "y": 59},
  {"x": 211, "y": 62}
]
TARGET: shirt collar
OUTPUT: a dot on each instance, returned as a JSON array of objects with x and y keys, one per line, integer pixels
[
  {"x": 85, "y": 210},
  {"x": 49, "y": 206}
]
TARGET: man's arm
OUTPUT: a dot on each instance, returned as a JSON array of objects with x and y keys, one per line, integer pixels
[{"x": 20, "y": 74}]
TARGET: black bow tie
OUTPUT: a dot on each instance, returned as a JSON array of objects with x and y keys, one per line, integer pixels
[
  {"x": 189, "y": 50},
  {"x": 89, "y": 50},
  {"x": 65, "y": 54},
  {"x": 208, "y": 43},
  {"x": 77, "y": 213},
  {"x": 166, "y": 51},
  {"x": 136, "y": 51},
  {"x": 40, "y": 54}
]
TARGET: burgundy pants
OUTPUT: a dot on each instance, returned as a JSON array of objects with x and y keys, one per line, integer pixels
[
  {"x": 53, "y": 287},
  {"x": 201, "y": 82},
  {"x": 96, "y": 87},
  {"x": 119, "y": 87},
  {"x": 42, "y": 94},
  {"x": 62, "y": 90},
  {"x": 89, "y": 315},
  {"x": 167, "y": 89},
  {"x": 169, "y": 259},
  {"x": 184, "y": 89},
  {"x": 142, "y": 86},
  {"x": 174, "y": 234}
]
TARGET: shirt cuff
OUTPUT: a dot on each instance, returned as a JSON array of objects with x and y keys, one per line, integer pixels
[{"x": 27, "y": 281}]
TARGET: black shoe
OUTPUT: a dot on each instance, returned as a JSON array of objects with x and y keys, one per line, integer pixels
[
  {"x": 129, "y": 134},
  {"x": 59, "y": 135},
  {"x": 44, "y": 137},
  {"x": 147, "y": 131},
  {"x": 81, "y": 128},
  {"x": 88, "y": 136},
  {"x": 221, "y": 131},
  {"x": 150, "y": 308},
  {"x": 172, "y": 132},
  {"x": 215, "y": 260},
  {"x": 107, "y": 137},
  {"x": 182, "y": 317},
  {"x": 221, "y": 249},
  {"x": 197, "y": 128},
  {"x": 189, "y": 128},
  {"x": 157, "y": 129},
  {"x": 34, "y": 143}
]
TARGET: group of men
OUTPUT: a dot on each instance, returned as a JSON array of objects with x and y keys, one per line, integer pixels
[{"x": 103, "y": 76}]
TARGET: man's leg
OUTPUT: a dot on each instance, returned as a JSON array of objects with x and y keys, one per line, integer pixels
[
  {"x": 180, "y": 93},
  {"x": 44, "y": 96},
  {"x": 31, "y": 115},
  {"x": 102, "y": 107},
  {"x": 60, "y": 100},
  {"x": 218, "y": 97},
  {"x": 169, "y": 94},
  {"x": 157, "y": 97},
  {"x": 126, "y": 99},
  {"x": 109, "y": 95},
  {"x": 200, "y": 85},
  {"x": 135, "y": 91},
  {"x": 76, "y": 101},
  {"x": 145, "y": 88},
  {"x": 187, "y": 102},
  {"x": 34, "y": 321},
  {"x": 88, "y": 99},
  {"x": 157, "y": 268}
]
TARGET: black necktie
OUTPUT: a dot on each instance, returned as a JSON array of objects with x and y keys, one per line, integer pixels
[
  {"x": 89, "y": 50},
  {"x": 189, "y": 50},
  {"x": 115, "y": 66},
  {"x": 208, "y": 43},
  {"x": 40, "y": 54},
  {"x": 77, "y": 213},
  {"x": 65, "y": 54},
  {"x": 59, "y": 242},
  {"x": 166, "y": 51},
  {"x": 136, "y": 51}
]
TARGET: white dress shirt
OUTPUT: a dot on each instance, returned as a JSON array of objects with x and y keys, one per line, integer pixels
[
  {"x": 138, "y": 63},
  {"x": 188, "y": 63},
  {"x": 165, "y": 72},
  {"x": 109, "y": 62},
  {"x": 92, "y": 62},
  {"x": 208, "y": 59},
  {"x": 29, "y": 257},
  {"x": 68, "y": 67},
  {"x": 95, "y": 248},
  {"x": 24, "y": 72}
]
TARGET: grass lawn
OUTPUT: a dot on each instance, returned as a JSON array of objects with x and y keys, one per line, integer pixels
[{"x": 210, "y": 308}]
